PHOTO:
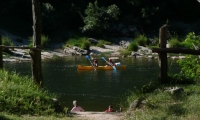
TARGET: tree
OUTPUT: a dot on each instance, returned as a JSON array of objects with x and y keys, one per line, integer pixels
[{"x": 99, "y": 19}]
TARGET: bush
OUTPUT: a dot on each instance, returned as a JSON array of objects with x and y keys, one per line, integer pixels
[
  {"x": 191, "y": 39},
  {"x": 133, "y": 46},
  {"x": 44, "y": 41},
  {"x": 141, "y": 40},
  {"x": 174, "y": 43},
  {"x": 85, "y": 44},
  {"x": 81, "y": 42},
  {"x": 101, "y": 43},
  {"x": 7, "y": 42},
  {"x": 125, "y": 52}
]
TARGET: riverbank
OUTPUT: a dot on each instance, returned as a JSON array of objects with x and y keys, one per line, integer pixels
[{"x": 99, "y": 115}]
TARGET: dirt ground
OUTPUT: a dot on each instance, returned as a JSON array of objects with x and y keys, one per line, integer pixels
[{"x": 98, "y": 115}]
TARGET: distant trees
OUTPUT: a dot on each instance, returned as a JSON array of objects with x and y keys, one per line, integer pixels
[{"x": 98, "y": 18}]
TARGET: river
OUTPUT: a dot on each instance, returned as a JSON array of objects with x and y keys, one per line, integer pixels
[{"x": 94, "y": 90}]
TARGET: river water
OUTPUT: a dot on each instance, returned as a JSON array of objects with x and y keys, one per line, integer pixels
[{"x": 94, "y": 90}]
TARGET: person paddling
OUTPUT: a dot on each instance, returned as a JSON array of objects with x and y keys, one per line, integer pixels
[
  {"x": 110, "y": 63},
  {"x": 95, "y": 63}
]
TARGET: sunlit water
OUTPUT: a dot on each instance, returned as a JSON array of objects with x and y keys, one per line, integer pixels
[{"x": 94, "y": 90}]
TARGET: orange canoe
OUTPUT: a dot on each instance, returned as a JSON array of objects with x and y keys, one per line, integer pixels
[{"x": 121, "y": 67}]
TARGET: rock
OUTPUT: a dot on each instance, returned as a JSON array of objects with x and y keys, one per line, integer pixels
[
  {"x": 175, "y": 90},
  {"x": 93, "y": 41},
  {"x": 136, "y": 104}
]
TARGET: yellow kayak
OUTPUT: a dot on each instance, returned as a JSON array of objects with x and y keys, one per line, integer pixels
[{"x": 121, "y": 67}]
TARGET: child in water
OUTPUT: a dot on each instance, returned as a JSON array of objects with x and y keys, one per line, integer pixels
[{"x": 110, "y": 109}]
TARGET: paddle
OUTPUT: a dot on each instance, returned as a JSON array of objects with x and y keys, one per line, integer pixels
[
  {"x": 90, "y": 61},
  {"x": 109, "y": 63}
]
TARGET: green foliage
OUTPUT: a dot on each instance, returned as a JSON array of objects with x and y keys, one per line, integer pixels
[
  {"x": 148, "y": 87},
  {"x": 101, "y": 43},
  {"x": 99, "y": 18},
  {"x": 7, "y": 41},
  {"x": 142, "y": 40},
  {"x": 73, "y": 42},
  {"x": 161, "y": 105},
  {"x": 190, "y": 67},
  {"x": 85, "y": 44},
  {"x": 133, "y": 46},
  {"x": 191, "y": 39},
  {"x": 174, "y": 42},
  {"x": 48, "y": 7},
  {"x": 20, "y": 95},
  {"x": 81, "y": 42},
  {"x": 125, "y": 52},
  {"x": 44, "y": 41}
]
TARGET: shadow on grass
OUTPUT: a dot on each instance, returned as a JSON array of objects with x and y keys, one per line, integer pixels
[
  {"x": 176, "y": 109},
  {"x": 4, "y": 118}
]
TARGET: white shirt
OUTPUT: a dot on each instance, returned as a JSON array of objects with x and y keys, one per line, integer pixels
[{"x": 77, "y": 109}]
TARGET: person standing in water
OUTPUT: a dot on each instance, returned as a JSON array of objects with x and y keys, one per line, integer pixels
[{"x": 77, "y": 108}]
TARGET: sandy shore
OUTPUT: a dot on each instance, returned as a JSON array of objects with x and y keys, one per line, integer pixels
[{"x": 98, "y": 115}]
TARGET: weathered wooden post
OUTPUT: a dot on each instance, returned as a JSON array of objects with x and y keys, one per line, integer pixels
[
  {"x": 1, "y": 56},
  {"x": 36, "y": 53},
  {"x": 163, "y": 64}
]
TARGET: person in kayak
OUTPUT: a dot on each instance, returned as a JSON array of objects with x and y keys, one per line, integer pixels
[
  {"x": 110, "y": 63},
  {"x": 95, "y": 63},
  {"x": 77, "y": 108}
]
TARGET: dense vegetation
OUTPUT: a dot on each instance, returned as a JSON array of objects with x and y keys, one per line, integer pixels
[
  {"x": 156, "y": 103},
  {"x": 104, "y": 18}
]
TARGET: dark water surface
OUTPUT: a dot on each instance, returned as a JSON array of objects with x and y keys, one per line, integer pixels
[{"x": 94, "y": 90}]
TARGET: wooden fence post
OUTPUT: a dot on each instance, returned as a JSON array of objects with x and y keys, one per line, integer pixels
[
  {"x": 1, "y": 55},
  {"x": 163, "y": 64},
  {"x": 36, "y": 66},
  {"x": 36, "y": 54}
]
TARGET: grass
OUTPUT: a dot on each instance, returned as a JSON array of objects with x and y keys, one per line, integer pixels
[
  {"x": 21, "y": 98},
  {"x": 6, "y": 116},
  {"x": 161, "y": 105}
]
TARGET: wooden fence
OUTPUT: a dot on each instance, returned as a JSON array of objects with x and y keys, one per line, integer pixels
[
  {"x": 36, "y": 74},
  {"x": 162, "y": 54}
]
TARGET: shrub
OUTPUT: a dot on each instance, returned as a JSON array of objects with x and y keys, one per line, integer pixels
[
  {"x": 125, "y": 52},
  {"x": 85, "y": 44},
  {"x": 191, "y": 39},
  {"x": 190, "y": 67},
  {"x": 44, "y": 41},
  {"x": 7, "y": 42},
  {"x": 174, "y": 43},
  {"x": 141, "y": 40},
  {"x": 101, "y": 43},
  {"x": 133, "y": 46}
]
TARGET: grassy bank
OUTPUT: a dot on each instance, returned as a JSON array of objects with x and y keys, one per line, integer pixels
[
  {"x": 21, "y": 98},
  {"x": 162, "y": 105}
]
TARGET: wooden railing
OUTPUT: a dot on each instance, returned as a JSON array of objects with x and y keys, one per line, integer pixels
[{"x": 162, "y": 53}]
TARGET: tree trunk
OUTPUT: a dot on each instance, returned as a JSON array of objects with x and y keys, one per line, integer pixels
[{"x": 36, "y": 54}]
